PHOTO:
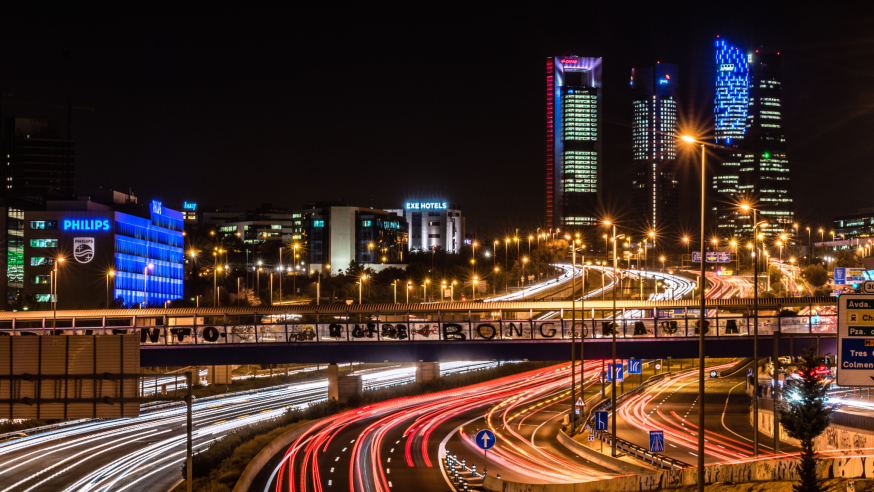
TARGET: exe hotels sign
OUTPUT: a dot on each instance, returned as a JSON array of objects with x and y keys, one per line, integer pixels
[{"x": 426, "y": 206}]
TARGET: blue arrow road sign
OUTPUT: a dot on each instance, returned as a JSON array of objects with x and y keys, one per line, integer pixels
[
  {"x": 749, "y": 372},
  {"x": 656, "y": 441},
  {"x": 840, "y": 276},
  {"x": 485, "y": 439},
  {"x": 601, "y": 421},
  {"x": 634, "y": 366}
]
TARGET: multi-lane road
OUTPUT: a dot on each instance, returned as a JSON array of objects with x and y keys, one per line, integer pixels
[{"x": 146, "y": 453}]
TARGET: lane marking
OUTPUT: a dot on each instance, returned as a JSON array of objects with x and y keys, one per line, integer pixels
[{"x": 338, "y": 459}]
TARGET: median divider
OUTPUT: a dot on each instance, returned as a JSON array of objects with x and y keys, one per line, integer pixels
[{"x": 263, "y": 456}]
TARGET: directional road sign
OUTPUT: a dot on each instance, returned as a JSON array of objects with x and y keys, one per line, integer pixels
[
  {"x": 749, "y": 372},
  {"x": 601, "y": 421},
  {"x": 634, "y": 366},
  {"x": 840, "y": 276},
  {"x": 856, "y": 340},
  {"x": 656, "y": 441},
  {"x": 485, "y": 439},
  {"x": 619, "y": 375},
  {"x": 712, "y": 257}
]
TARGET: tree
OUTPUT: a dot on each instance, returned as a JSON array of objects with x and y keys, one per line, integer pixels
[
  {"x": 816, "y": 275},
  {"x": 807, "y": 415},
  {"x": 847, "y": 258}
]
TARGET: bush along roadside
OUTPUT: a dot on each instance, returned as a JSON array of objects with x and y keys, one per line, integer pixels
[{"x": 219, "y": 467}]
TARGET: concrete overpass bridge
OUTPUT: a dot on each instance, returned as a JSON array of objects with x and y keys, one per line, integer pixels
[{"x": 439, "y": 332}]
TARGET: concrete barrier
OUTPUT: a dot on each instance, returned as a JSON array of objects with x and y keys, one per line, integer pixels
[
  {"x": 604, "y": 460},
  {"x": 759, "y": 471},
  {"x": 835, "y": 437},
  {"x": 263, "y": 456}
]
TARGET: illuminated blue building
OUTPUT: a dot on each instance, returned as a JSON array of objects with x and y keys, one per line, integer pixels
[
  {"x": 131, "y": 257},
  {"x": 730, "y": 108}
]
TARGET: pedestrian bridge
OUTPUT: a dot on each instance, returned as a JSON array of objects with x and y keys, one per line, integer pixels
[{"x": 444, "y": 331}]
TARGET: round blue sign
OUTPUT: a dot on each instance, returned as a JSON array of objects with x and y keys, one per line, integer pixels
[{"x": 485, "y": 439}]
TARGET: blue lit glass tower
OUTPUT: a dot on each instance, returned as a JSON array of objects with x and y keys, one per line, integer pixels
[
  {"x": 654, "y": 186},
  {"x": 730, "y": 108}
]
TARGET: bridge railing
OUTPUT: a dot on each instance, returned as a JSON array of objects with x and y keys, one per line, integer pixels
[{"x": 473, "y": 327}]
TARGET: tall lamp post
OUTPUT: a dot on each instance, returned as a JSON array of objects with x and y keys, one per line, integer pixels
[
  {"x": 701, "y": 330},
  {"x": 613, "y": 333},
  {"x": 146, "y": 284},
  {"x": 54, "y": 281},
  {"x": 756, "y": 226}
]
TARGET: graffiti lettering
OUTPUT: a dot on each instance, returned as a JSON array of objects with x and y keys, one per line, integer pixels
[
  {"x": 402, "y": 332},
  {"x": 369, "y": 332},
  {"x": 152, "y": 334},
  {"x": 211, "y": 334},
  {"x": 639, "y": 328},
  {"x": 551, "y": 330},
  {"x": 335, "y": 330},
  {"x": 181, "y": 333},
  {"x": 698, "y": 326},
  {"x": 116, "y": 331},
  {"x": 514, "y": 331},
  {"x": 452, "y": 331},
  {"x": 486, "y": 331}
]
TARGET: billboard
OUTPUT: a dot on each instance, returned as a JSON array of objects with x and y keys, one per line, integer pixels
[{"x": 69, "y": 377}]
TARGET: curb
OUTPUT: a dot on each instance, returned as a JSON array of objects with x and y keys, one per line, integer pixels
[{"x": 254, "y": 467}]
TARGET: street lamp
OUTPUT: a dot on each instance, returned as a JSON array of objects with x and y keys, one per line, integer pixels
[
  {"x": 452, "y": 290},
  {"x": 54, "y": 289},
  {"x": 215, "y": 285},
  {"x": 111, "y": 273},
  {"x": 475, "y": 281},
  {"x": 360, "y": 284},
  {"x": 613, "y": 331},
  {"x": 494, "y": 284},
  {"x": 409, "y": 287},
  {"x": 663, "y": 262},
  {"x": 693, "y": 141},
  {"x": 146, "y": 284}
]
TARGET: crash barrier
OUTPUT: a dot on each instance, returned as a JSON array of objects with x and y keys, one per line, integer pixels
[{"x": 765, "y": 470}]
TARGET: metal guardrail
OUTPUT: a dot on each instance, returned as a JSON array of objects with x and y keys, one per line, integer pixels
[
  {"x": 46, "y": 428},
  {"x": 627, "y": 446}
]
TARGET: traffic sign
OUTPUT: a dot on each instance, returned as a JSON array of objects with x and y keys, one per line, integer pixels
[
  {"x": 713, "y": 374},
  {"x": 619, "y": 375},
  {"x": 656, "y": 441},
  {"x": 658, "y": 367},
  {"x": 634, "y": 366},
  {"x": 601, "y": 421},
  {"x": 840, "y": 276},
  {"x": 591, "y": 437},
  {"x": 868, "y": 287},
  {"x": 485, "y": 439},
  {"x": 580, "y": 402},
  {"x": 749, "y": 372},
  {"x": 855, "y": 340},
  {"x": 712, "y": 257}
]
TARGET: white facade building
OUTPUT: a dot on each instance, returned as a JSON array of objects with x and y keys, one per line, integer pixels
[{"x": 433, "y": 224}]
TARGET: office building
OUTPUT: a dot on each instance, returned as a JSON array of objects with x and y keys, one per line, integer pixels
[
  {"x": 730, "y": 114},
  {"x": 859, "y": 225},
  {"x": 260, "y": 225},
  {"x": 134, "y": 251},
  {"x": 433, "y": 224},
  {"x": 38, "y": 160},
  {"x": 654, "y": 188},
  {"x": 764, "y": 177},
  {"x": 334, "y": 235},
  {"x": 573, "y": 140}
]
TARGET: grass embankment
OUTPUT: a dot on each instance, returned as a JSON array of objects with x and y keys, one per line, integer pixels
[{"x": 218, "y": 468}]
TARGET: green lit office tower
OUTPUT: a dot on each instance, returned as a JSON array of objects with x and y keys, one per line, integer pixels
[
  {"x": 764, "y": 168},
  {"x": 573, "y": 141}
]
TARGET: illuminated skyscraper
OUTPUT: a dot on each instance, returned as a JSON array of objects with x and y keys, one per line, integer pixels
[
  {"x": 732, "y": 92},
  {"x": 573, "y": 140},
  {"x": 654, "y": 187},
  {"x": 764, "y": 167}
]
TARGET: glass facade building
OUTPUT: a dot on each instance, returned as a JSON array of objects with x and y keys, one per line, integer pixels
[
  {"x": 764, "y": 167},
  {"x": 730, "y": 112},
  {"x": 573, "y": 140},
  {"x": 654, "y": 186},
  {"x": 142, "y": 247}
]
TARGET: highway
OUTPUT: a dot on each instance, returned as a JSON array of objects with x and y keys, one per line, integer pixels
[
  {"x": 672, "y": 406},
  {"x": 398, "y": 444},
  {"x": 146, "y": 453}
]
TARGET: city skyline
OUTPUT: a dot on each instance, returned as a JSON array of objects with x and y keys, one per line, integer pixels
[{"x": 494, "y": 139}]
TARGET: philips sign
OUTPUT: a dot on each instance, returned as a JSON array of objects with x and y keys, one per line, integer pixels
[
  {"x": 426, "y": 206},
  {"x": 85, "y": 224}
]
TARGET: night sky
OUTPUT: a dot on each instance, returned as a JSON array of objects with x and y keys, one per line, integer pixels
[{"x": 374, "y": 106}]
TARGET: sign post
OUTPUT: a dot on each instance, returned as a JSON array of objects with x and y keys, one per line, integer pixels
[
  {"x": 635, "y": 367},
  {"x": 601, "y": 424},
  {"x": 485, "y": 439},
  {"x": 856, "y": 338}
]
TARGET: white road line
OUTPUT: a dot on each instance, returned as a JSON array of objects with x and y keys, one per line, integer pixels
[{"x": 338, "y": 459}]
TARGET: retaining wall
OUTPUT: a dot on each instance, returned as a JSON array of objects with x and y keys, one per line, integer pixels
[
  {"x": 759, "y": 471},
  {"x": 835, "y": 436}
]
